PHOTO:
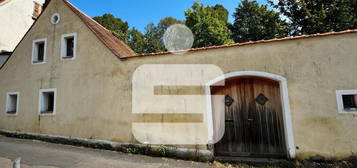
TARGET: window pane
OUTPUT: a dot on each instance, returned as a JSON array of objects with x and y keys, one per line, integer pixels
[
  {"x": 50, "y": 101},
  {"x": 349, "y": 101},
  {"x": 47, "y": 102},
  {"x": 70, "y": 47},
  {"x": 12, "y": 104},
  {"x": 41, "y": 51}
]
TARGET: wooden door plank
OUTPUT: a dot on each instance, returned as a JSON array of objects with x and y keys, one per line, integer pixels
[{"x": 252, "y": 128}]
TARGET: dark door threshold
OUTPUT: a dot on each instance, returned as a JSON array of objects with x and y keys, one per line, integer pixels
[{"x": 250, "y": 160}]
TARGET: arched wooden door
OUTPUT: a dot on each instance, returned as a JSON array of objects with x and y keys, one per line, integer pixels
[{"x": 254, "y": 125}]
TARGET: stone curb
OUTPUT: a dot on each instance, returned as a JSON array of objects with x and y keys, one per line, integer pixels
[{"x": 151, "y": 150}]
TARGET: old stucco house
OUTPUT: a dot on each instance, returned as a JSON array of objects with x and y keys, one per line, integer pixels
[{"x": 293, "y": 97}]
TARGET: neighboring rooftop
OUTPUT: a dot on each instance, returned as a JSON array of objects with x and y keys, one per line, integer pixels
[
  {"x": 5, "y": 53},
  {"x": 3, "y": 57}
]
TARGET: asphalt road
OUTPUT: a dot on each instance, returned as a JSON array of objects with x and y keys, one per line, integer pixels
[{"x": 36, "y": 154}]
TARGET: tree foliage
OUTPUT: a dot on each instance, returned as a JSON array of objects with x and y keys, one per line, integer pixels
[
  {"x": 208, "y": 25},
  {"x": 164, "y": 24},
  {"x": 154, "y": 33},
  {"x": 149, "y": 42},
  {"x": 152, "y": 39},
  {"x": 252, "y": 21},
  {"x": 318, "y": 16},
  {"x": 221, "y": 11},
  {"x": 256, "y": 22},
  {"x": 118, "y": 27},
  {"x": 136, "y": 40}
]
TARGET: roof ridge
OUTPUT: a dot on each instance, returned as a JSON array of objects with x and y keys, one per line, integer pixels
[{"x": 86, "y": 15}]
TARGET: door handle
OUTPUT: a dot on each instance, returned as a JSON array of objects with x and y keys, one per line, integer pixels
[{"x": 249, "y": 119}]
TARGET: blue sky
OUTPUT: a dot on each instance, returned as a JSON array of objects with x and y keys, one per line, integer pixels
[{"x": 138, "y": 13}]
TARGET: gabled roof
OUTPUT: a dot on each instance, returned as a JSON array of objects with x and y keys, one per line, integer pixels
[{"x": 116, "y": 46}]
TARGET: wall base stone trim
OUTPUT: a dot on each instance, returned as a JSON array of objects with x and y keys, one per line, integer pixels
[{"x": 151, "y": 150}]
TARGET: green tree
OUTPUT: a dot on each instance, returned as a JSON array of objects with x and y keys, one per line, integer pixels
[
  {"x": 164, "y": 24},
  {"x": 152, "y": 42},
  {"x": 149, "y": 42},
  {"x": 221, "y": 12},
  {"x": 133, "y": 37},
  {"x": 154, "y": 34},
  {"x": 136, "y": 40},
  {"x": 253, "y": 22},
  {"x": 318, "y": 16},
  {"x": 208, "y": 25},
  {"x": 118, "y": 27}
]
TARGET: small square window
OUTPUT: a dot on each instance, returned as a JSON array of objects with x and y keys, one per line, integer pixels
[
  {"x": 39, "y": 51},
  {"x": 47, "y": 101},
  {"x": 347, "y": 101},
  {"x": 68, "y": 46},
  {"x": 12, "y": 102}
]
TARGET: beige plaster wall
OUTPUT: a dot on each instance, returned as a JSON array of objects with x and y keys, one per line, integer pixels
[
  {"x": 81, "y": 83},
  {"x": 94, "y": 90},
  {"x": 314, "y": 68}
]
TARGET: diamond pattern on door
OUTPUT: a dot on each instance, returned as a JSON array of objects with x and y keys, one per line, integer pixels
[
  {"x": 261, "y": 99},
  {"x": 228, "y": 101}
]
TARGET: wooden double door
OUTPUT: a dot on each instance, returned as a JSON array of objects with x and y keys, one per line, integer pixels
[{"x": 253, "y": 118}]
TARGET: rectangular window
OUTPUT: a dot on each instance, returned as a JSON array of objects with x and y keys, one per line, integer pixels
[
  {"x": 47, "y": 101},
  {"x": 12, "y": 102},
  {"x": 68, "y": 46},
  {"x": 347, "y": 101},
  {"x": 39, "y": 51}
]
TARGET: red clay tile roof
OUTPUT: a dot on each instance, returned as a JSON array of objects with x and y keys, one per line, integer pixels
[
  {"x": 118, "y": 47},
  {"x": 251, "y": 42}
]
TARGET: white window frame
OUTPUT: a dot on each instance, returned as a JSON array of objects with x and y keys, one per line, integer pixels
[
  {"x": 64, "y": 46},
  {"x": 40, "y": 101},
  {"x": 34, "y": 50},
  {"x": 8, "y": 94},
  {"x": 339, "y": 94}
]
